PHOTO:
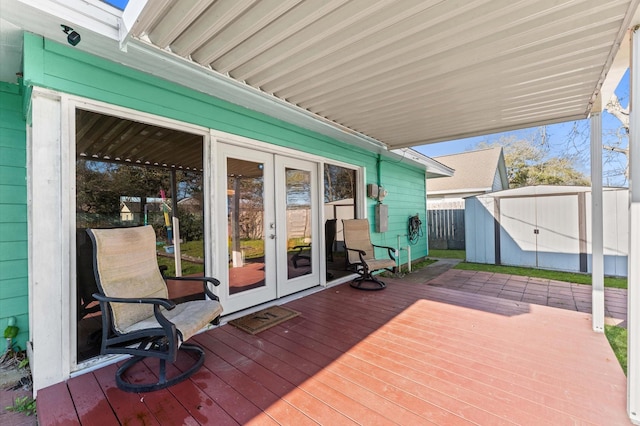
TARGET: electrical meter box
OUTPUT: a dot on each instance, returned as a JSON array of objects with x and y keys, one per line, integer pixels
[
  {"x": 382, "y": 217},
  {"x": 372, "y": 191}
]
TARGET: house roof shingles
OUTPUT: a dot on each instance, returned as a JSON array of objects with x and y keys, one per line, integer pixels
[{"x": 473, "y": 170}]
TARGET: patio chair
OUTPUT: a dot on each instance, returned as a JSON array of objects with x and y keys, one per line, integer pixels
[
  {"x": 330, "y": 237},
  {"x": 303, "y": 253},
  {"x": 138, "y": 319},
  {"x": 361, "y": 255}
]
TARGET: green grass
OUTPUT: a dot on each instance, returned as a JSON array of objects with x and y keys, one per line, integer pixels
[
  {"x": 188, "y": 268},
  {"x": 193, "y": 248},
  {"x": 23, "y": 404},
  {"x": 617, "y": 337},
  {"x": 417, "y": 265},
  {"x": 448, "y": 254},
  {"x": 252, "y": 248},
  {"x": 189, "y": 248},
  {"x": 572, "y": 277}
]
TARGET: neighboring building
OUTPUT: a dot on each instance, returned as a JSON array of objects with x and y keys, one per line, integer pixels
[{"x": 476, "y": 172}]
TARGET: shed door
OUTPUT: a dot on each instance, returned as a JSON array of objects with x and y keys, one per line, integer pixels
[
  {"x": 540, "y": 232},
  {"x": 517, "y": 237},
  {"x": 558, "y": 239}
]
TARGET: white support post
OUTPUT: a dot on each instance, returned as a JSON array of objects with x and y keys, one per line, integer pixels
[
  {"x": 633, "y": 295},
  {"x": 177, "y": 250},
  {"x": 48, "y": 243},
  {"x": 597, "y": 237}
]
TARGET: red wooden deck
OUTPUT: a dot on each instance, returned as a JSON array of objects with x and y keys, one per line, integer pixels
[{"x": 411, "y": 354}]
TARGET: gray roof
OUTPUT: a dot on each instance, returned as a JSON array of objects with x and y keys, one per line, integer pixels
[{"x": 474, "y": 170}]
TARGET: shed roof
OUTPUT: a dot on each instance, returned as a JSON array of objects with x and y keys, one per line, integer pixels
[{"x": 544, "y": 190}]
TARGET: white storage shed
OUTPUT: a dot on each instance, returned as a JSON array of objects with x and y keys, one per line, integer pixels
[{"x": 547, "y": 227}]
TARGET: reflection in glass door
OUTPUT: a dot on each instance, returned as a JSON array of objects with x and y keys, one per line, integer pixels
[
  {"x": 130, "y": 173},
  {"x": 299, "y": 236},
  {"x": 247, "y": 225},
  {"x": 339, "y": 204},
  {"x": 297, "y": 215},
  {"x": 245, "y": 221}
]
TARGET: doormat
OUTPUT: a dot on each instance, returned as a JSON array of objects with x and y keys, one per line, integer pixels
[{"x": 259, "y": 321}]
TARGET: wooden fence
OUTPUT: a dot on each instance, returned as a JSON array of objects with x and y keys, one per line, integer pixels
[{"x": 446, "y": 229}]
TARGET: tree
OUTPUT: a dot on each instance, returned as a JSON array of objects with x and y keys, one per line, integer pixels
[
  {"x": 339, "y": 183},
  {"x": 621, "y": 139},
  {"x": 101, "y": 187},
  {"x": 528, "y": 163},
  {"x": 615, "y": 142}
]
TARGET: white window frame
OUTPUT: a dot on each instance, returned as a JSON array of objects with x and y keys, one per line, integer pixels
[{"x": 51, "y": 216}]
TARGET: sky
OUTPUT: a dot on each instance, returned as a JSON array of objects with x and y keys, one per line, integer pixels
[
  {"x": 120, "y": 4},
  {"x": 557, "y": 140}
]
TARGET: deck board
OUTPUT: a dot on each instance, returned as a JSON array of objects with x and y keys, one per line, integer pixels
[
  {"x": 89, "y": 401},
  {"x": 55, "y": 406},
  {"x": 411, "y": 354}
]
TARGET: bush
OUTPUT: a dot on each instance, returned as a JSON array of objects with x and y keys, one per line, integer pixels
[{"x": 191, "y": 226}]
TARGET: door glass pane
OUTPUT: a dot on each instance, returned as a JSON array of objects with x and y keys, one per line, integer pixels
[
  {"x": 128, "y": 174},
  {"x": 245, "y": 222},
  {"x": 339, "y": 203},
  {"x": 299, "y": 244}
]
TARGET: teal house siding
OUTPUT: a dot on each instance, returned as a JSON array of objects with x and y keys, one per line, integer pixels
[
  {"x": 13, "y": 214},
  {"x": 51, "y": 65}
]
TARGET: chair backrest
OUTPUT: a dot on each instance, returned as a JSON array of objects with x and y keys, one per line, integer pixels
[
  {"x": 356, "y": 236},
  {"x": 126, "y": 266}
]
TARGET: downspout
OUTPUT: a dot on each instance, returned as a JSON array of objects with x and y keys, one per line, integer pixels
[{"x": 378, "y": 170}]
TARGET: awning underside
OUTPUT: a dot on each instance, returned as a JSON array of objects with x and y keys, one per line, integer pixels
[{"x": 405, "y": 72}]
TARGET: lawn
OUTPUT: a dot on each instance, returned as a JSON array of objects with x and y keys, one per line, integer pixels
[
  {"x": 571, "y": 277},
  {"x": 193, "y": 249},
  {"x": 448, "y": 254},
  {"x": 617, "y": 337}
]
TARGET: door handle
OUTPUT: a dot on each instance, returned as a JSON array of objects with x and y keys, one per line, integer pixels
[{"x": 272, "y": 236}]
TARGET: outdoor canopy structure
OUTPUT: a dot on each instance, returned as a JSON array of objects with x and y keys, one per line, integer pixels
[{"x": 380, "y": 74}]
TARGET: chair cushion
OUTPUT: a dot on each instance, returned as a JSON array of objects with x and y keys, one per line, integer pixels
[
  {"x": 128, "y": 267},
  {"x": 188, "y": 317},
  {"x": 356, "y": 236},
  {"x": 375, "y": 264}
]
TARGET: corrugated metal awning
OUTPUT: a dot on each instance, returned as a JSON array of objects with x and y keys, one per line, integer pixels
[
  {"x": 380, "y": 74},
  {"x": 405, "y": 72}
]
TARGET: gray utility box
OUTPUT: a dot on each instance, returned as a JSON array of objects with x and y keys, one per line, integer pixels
[{"x": 382, "y": 218}]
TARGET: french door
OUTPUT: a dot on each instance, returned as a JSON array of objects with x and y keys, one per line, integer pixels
[
  {"x": 297, "y": 243},
  {"x": 270, "y": 223}
]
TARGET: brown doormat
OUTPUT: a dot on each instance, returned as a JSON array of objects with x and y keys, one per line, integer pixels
[{"x": 259, "y": 321}]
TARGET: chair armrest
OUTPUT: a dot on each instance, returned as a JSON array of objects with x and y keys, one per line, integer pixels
[
  {"x": 361, "y": 253},
  {"x": 165, "y": 303},
  {"x": 168, "y": 327},
  {"x": 391, "y": 250},
  {"x": 211, "y": 280},
  {"x": 204, "y": 280}
]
